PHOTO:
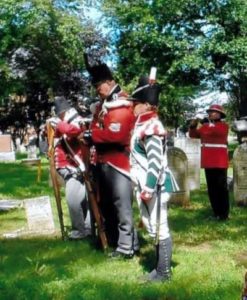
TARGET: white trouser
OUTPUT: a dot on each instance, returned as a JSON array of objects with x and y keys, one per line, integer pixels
[
  {"x": 149, "y": 210},
  {"x": 149, "y": 214}
]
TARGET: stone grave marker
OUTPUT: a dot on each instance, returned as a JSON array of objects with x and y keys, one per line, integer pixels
[
  {"x": 32, "y": 152},
  {"x": 9, "y": 204},
  {"x": 240, "y": 174},
  {"x": 39, "y": 215},
  {"x": 192, "y": 149},
  {"x": 43, "y": 146},
  {"x": 178, "y": 164},
  {"x": 7, "y": 152}
]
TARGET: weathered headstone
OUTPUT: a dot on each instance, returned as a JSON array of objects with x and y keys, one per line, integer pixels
[
  {"x": 39, "y": 215},
  {"x": 43, "y": 146},
  {"x": 5, "y": 143},
  {"x": 178, "y": 164},
  {"x": 240, "y": 174},
  {"x": 9, "y": 204},
  {"x": 18, "y": 144},
  {"x": 7, "y": 152},
  {"x": 32, "y": 152},
  {"x": 192, "y": 149}
]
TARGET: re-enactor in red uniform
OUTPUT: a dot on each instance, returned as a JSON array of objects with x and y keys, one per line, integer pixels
[
  {"x": 110, "y": 133},
  {"x": 69, "y": 126},
  {"x": 214, "y": 158}
]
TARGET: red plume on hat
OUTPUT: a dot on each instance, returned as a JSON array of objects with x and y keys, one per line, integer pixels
[
  {"x": 218, "y": 108},
  {"x": 99, "y": 72}
]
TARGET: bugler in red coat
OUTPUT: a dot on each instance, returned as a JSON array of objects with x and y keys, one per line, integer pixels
[
  {"x": 214, "y": 158},
  {"x": 213, "y": 137}
]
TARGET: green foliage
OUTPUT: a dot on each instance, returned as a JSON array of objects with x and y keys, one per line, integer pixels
[
  {"x": 209, "y": 257},
  {"x": 41, "y": 54},
  {"x": 191, "y": 42},
  {"x": 41, "y": 43}
]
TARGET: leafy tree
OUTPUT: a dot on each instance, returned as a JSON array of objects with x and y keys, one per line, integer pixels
[
  {"x": 195, "y": 44},
  {"x": 227, "y": 49},
  {"x": 41, "y": 49}
]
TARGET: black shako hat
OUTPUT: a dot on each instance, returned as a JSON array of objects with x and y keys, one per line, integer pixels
[
  {"x": 146, "y": 92},
  {"x": 99, "y": 72},
  {"x": 61, "y": 105}
]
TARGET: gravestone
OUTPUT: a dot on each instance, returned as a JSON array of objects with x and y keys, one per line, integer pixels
[
  {"x": 178, "y": 164},
  {"x": 7, "y": 152},
  {"x": 39, "y": 215},
  {"x": 240, "y": 174},
  {"x": 32, "y": 152},
  {"x": 9, "y": 204},
  {"x": 18, "y": 144},
  {"x": 192, "y": 149},
  {"x": 43, "y": 146}
]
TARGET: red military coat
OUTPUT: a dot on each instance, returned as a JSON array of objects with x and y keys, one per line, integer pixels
[
  {"x": 213, "y": 137},
  {"x": 62, "y": 159},
  {"x": 111, "y": 131}
]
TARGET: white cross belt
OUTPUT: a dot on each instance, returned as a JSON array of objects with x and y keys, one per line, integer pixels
[{"x": 214, "y": 145}]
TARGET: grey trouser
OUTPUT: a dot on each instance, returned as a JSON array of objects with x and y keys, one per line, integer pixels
[
  {"x": 116, "y": 206},
  {"x": 75, "y": 193}
]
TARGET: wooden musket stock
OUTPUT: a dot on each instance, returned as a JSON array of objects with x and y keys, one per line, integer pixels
[
  {"x": 91, "y": 195},
  {"x": 55, "y": 184}
]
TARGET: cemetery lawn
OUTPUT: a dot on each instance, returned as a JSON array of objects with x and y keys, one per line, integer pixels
[{"x": 209, "y": 257}]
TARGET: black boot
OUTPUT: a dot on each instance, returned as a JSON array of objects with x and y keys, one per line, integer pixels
[
  {"x": 162, "y": 272},
  {"x": 164, "y": 255}
]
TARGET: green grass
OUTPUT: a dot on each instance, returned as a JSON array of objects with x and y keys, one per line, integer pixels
[{"x": 209, "y": 257}]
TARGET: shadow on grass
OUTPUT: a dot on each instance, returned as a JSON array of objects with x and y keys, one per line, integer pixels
[
  {"x": 147, "y": 257},
  {"x": 54, "y": 269},
  {"x": 25, "y": 257},
  {"x": 106, "y": 289},
  {"x": 50, "y": 269},
  {"x": 194, "y": 224},
  {"x": 18, "y": 181}
]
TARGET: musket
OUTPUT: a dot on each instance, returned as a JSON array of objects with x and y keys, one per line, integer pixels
[
  {"x": 91, "y": 195},
  {"x": 55, "y": 184}
]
